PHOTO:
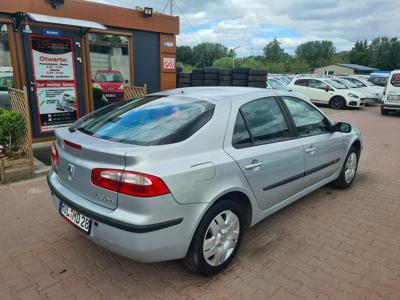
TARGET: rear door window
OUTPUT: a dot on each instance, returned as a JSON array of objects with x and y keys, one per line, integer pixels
[
  {"x": 265, "y": 122},
  {"x": 149, "y": 121}
]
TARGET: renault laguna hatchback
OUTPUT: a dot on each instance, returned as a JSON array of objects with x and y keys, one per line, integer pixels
[{"x": 181, "y": 174}]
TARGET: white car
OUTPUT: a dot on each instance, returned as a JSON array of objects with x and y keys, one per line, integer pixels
[
  {"x": 391, "y": 94},
  {"x": 327, "y": 91},
  {"x": 375, "y": 92}
]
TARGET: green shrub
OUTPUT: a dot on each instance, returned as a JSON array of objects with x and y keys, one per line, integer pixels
[{"x": 12, "y": 127}]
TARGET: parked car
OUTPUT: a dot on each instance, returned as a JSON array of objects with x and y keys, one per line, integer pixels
[
  {"x": 67, "y": 103},
  {"x": 391, "y": 95},
  {"x": 139, "y": 179},
  {"x": 361, "y": 82},
  {"x": 368, "y": 96},
  {"x": 324, "y": 90},
  {"x": 6, "y": 81},
  {"x": 275, "y": 84},
  {"x": 379, "y": 78},
  {"x": 112, "y": 84}
]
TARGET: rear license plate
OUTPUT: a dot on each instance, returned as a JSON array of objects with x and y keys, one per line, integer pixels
[
  {"x": 393, "y": 97},
  {"x": 75, "y": 218}
]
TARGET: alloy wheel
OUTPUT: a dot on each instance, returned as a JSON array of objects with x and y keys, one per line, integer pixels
[{"x": 351, "y": 167}]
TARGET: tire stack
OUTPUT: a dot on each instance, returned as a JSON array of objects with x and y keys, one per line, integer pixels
[
  {"x": 225, "y": 77},
  {"x": 257, "y": 78},
  {"x": 240, "y": 76},
  {"x": 198, "y": 77},
  {"x": 184, "y": 79},
  {"x": 211, "y": 76}
]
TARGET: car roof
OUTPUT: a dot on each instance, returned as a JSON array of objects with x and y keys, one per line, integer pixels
[{"x": 218, "y": 92}]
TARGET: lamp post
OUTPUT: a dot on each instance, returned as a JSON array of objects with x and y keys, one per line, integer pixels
[{"x": 233, "y": 55}]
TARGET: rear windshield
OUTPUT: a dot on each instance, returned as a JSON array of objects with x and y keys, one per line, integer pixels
[
  {"x": 149, "y": 121},
  {"x": 395, "y": 81}
]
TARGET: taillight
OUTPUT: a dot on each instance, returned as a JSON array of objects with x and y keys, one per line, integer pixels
[
  {"x": 129, "y": 183},
  {"x": 384, "y": 90},
  {"x": 54, "y": 155},
  {"x": 72, "y": 145}
]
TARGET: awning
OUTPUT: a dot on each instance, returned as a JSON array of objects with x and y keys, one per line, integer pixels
[{"x": 65, "y": 21}]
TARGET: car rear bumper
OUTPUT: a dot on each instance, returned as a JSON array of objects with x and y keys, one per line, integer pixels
[
  {"x": 160, "y": 241},
  {"x": 390, "y": 106}
]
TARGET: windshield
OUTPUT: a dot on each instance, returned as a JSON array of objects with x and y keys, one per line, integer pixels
[
  {"x": 357, "y": 82},
  {"x": 153, "y": 120},
  {"x": 108, "y": 77},
  {"x": 336, "y": 84},
  {"x": 276, "y": 85},
  {"x": 346, "y": 83}
]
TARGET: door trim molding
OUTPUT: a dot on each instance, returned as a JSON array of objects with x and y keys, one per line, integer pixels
[{"x": 304, "y": 174}]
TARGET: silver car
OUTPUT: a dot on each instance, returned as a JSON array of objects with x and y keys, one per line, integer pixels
[{"x": 180, "y": 174}]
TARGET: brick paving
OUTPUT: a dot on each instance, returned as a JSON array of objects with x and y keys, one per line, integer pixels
[{"x": 332, "y": 244}]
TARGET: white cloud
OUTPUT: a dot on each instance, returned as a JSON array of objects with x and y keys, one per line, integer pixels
[{"x": 252, "y": 24}]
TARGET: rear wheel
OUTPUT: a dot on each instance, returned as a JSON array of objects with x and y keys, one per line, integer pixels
[
  {"x": 217, "y": 239},
  {"x": 337, "y": 103}
]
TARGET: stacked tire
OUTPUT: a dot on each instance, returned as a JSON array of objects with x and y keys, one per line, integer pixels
[
  {"x": 225, "y": 77},
  {"x": 184, "y": 79},
  {"x": 198, "y": 77},
  {"x": 211, "y": 76},
  {"x": 257, "y": 78},
  {"x": 240, "y": 76}
]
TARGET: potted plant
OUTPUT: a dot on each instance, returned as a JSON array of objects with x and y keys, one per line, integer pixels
[{"x": 15, "y": 162}]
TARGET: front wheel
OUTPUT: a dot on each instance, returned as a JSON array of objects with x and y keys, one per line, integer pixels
[
  {"x": 217, "y": 239},
  {"x": 349, "y": 170}
]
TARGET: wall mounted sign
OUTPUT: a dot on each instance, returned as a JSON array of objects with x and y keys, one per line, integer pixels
[
  {"x": 168, "y": 44},
  {"x": 169, "y": 63},
  {"x": 54, "y": 81},
  {"x": 51, "y": 32}
]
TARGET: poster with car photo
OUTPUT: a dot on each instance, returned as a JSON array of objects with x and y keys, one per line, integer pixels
[{"x": 57, "y": 105}]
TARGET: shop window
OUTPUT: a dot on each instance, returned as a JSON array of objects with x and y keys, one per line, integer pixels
[
  {"x": 111, "y": 68},
  {"x": 6, "y": 70}
]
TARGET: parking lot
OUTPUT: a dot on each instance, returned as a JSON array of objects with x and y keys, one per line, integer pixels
[{"x": 332, "y": 244}]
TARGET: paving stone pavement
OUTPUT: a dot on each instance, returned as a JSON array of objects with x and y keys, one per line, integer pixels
[{"x": 332, "y": 244}]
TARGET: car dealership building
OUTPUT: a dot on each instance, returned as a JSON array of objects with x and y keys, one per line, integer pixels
[{"x": 62, "y": 50}]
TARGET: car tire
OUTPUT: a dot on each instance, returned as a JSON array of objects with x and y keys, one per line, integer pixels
[
  {"x": 185, "y": 75},
  {"x": 210, "y": 82},
  {"x": 258, "y": 78},
  {"x": 210, "y": 76},
  {"x": 225, "y": 72},
  {"x": 240, "y": 76},
  {"x": 384, "y": 112},
  {"x": 257, "y": 84},
  {"x": 211, "y": 70},
  {"x": 241, "y": 70},
  {"x": 225, "y": 77},
  {"x": 258, "y": 72},
  {"x": 337, "y": 103},
  {"x": 185, "y": 80},
  {"x": 240, "y": 82},
  {"x": 349, "y": 169},
  {"x": 229, "y": 234}
]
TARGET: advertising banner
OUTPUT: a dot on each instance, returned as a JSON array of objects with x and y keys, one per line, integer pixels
[
  {"x": 52, "y": 58},
  {"x": 55, "y": 82},
  {"x": 57, "y": 105}
]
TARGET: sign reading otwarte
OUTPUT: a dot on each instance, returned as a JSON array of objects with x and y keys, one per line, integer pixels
[{"x": 55, "y": 81}]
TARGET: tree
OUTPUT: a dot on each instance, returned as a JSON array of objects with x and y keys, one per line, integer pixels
[
  {"x": 273, "y": 52},
  {"x": 184, "y": 54},
  {"x": 359, "y": 54},
  {"x": 205, "y": 54},
  {"x": 316, "y": 53}
]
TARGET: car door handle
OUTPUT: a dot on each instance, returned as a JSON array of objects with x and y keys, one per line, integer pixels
[
  {"x": 311, "y": 150},
  {"x": 253, "y": 165}
]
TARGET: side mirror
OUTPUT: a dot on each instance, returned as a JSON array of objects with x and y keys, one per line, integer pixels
[
  {"x": 126, "y": 81},
  {"x": 326, "y": 88},
  {"x": 342, "y": 127}
]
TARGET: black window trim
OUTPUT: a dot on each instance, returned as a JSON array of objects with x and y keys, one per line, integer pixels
[
  {"x": 286, "y": 116},
  {"x": 297, "y": 135}
]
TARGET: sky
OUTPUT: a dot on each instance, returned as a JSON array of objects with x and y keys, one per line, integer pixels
[{"x": 250, "y": 25}]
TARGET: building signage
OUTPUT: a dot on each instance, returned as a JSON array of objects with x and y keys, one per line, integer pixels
[
  {"x": 169, "y": 63},
  {"x": 168, "y": 44},
  {"x": 55, "y": 82},
  {"x": 51, "y": 32},
  {"x": 52, "y": 58}
]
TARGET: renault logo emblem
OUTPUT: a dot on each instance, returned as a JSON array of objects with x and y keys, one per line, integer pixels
[{"x": 71, "y": 171}]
